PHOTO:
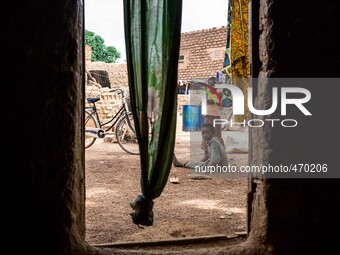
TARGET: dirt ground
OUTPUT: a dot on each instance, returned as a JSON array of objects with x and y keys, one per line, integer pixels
[{"x": 194, "y": 207}]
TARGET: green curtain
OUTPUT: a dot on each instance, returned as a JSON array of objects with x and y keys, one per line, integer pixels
[{"x": 152, "y": 38}]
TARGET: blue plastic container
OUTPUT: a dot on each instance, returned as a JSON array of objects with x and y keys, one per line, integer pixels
[
  {"x": 201, "y": 118},
  {"x": 191, "y": 117}
]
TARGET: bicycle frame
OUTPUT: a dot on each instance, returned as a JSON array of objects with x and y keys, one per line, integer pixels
[
  {"x": 114, "y": 119},
  {"x": 100, "y": 133},
  {"x": 121, "y": 123}
]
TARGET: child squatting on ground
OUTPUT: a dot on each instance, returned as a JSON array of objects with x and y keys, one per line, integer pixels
[{"x": 217, "y": 155}]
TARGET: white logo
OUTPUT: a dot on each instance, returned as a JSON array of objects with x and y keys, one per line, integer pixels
[{"x": 238, "y": 100}]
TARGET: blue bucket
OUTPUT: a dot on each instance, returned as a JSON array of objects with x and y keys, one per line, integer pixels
[
  {"x": 201, "y": 118},
  {"x": 191, "y": 117}
]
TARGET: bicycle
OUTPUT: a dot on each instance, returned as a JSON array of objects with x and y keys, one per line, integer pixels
[{"x": 121, "y": 124}]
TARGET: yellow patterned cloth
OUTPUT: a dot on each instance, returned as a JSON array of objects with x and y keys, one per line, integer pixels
[{"x": 240, "y": 68}]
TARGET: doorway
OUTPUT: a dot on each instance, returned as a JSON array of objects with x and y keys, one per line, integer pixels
[{"x": 194, "y": 207}]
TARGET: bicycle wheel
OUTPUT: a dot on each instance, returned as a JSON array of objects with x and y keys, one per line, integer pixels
[
  {"x": 126, "y": 136},
  {"x": 90, "y": 122}
]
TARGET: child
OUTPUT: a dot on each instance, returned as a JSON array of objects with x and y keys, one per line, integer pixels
[
  {"x": 216, "y": 152},
  {"x": 213, "y": 112}
]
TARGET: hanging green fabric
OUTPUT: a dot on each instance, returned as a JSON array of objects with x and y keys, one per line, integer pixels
[{"x": 152, "y": 38}]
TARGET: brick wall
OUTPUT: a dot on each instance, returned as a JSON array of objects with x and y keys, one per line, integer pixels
[
  {"x": 88, "y": 53},
  {"x": 117, "y": 72},
  {"x": 203, "y": 53}
]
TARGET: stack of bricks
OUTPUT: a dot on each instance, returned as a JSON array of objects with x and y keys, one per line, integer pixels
[{"x": 109, "y": 102}]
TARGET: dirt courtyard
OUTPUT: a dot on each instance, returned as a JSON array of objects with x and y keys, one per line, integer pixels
[{"x": 199, "y": 205}]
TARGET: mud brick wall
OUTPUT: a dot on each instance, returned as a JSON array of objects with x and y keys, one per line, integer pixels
[
  {"x": 202, "y": 52},
  {"x": 117, "y": 72}
]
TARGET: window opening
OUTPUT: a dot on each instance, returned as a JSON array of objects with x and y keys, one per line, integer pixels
[{"x": 181, "y": 59}]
